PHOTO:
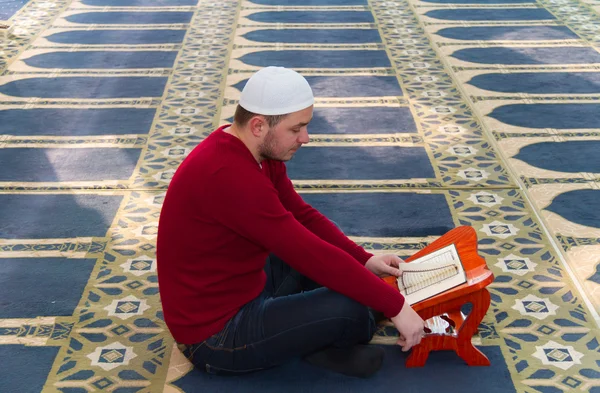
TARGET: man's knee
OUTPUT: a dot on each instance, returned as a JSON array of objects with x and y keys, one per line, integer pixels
[{"x": 355, "y": 320}]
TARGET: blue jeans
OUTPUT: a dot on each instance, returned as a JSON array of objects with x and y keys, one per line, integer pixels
[{"x": 293, "y": 317}]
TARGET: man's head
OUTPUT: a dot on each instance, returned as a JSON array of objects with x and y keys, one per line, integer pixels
[{"x": 275, "y": 108}]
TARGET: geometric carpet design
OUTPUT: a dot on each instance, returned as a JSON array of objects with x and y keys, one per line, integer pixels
[{"x": 429, "y": 115}]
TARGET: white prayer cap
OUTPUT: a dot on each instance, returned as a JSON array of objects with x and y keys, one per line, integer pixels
[{"x": 276, "y": 91}]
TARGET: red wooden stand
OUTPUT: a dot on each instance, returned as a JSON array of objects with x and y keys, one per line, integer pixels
[{"x": 447, "y": 305}]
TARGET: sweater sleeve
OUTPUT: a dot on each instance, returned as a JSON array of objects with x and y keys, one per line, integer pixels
[
  {"x": 248, "y": 203},
  {"x": 312, "y": 219}
]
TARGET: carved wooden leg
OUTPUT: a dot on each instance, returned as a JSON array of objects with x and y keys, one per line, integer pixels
[
  {"x": 465, "y": 349},
  {"x": 418, "y": 355},
  {"x": 460, "y": 340}
]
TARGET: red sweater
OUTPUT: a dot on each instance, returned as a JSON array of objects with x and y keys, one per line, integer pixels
[{"x": 222, "y": 215}]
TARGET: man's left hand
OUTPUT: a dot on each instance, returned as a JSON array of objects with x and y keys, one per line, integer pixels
[{"x": 384, "y": 265}]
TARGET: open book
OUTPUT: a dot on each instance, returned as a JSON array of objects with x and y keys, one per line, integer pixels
[{"x": 431, "y": 274}]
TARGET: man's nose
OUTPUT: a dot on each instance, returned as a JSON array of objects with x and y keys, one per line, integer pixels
[{"x": 304, "y": 138}]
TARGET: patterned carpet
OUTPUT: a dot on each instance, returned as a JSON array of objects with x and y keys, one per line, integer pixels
[{"x": 430, "y": 114}]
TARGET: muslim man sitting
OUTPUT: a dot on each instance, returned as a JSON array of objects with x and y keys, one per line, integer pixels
[{"x": 251, "y": 276}]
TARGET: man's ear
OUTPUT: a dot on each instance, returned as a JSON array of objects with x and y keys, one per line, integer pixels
[{"x": 257, "y": 125}]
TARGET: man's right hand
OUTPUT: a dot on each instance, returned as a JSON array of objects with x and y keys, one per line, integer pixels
[{"x": 410, "y": 326}]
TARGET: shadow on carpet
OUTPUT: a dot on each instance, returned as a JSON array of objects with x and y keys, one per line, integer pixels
[{"x": 444, "y": 371}]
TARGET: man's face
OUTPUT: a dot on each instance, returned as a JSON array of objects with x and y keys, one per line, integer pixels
[{"x": 282, "y": 141}]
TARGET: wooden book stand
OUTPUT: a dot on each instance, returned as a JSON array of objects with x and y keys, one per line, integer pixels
[{"x": 447, "y": 305}]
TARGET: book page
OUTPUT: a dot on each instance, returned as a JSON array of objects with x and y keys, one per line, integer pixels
[{"x": 431, "y": 274}]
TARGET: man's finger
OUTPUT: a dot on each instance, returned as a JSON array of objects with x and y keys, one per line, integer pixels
[
  {"x": 393, "y": 271},
  {"x": 395, "y": 261},
  {"x": 408, "y": 345},
  {"x": 402, "y": 343}
]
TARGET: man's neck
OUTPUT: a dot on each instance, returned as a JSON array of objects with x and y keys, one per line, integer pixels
[{"x": 235, "y": 131}]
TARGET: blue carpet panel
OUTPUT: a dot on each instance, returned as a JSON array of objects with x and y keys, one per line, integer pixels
[
  {"x": 8, "y": 8},
  {"x": 27, "y": 369},
  {"x": 66, "y": 164},
  {"x": 508, "y": 33},
  {"x": 312, "y": 17},
  {"x": 315, "y": 36},
  {"x": 566, "y": 156},
  {"x": 349, "y": 86},
  {"x": 559, "y": 116},
  {"x": 103, "y": 59},
  {"x": 299, "y": 376},
  {"x": 139, "y": 3},
  {"x": 311, "y": 3},
  {"x": 86, "y": 87},
  {"x": 122, "y": 37},
  {"x": 479, "y": 1},
  {"x": 529, "y": 56},
  {"x": 360, "y": 121},
  {"x": 580, "y": 206},
  {"x": 318, "y": 58},
  {"x": 56, "y": 216},
  {"x": 353, "y": 163},
  {"x": 516, "y": 14},
  {"x": 385, "y": 214},
  {"x": 540, "y": 82},
  {"x": 53, "y": 298},
  {"x": 76, "y": 122},
  {"x": 131, "y": 18}
]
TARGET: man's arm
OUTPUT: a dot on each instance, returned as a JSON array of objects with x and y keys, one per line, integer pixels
[
  {"x": 249, "y": 204},
  {"x": 312, "y": 219}
]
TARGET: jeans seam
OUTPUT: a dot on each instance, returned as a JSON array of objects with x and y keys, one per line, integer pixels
[
  {"x": 208, "y": 366},
  {"x": 276, "y": 292},
  {"x": 196, "y": 348},
  {"x": 222, "y": 335},
  {"x": 225, "y": 349},
  {"x": 192, "y": 350}
]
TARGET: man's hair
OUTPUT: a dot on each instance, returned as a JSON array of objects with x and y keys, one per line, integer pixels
[{"x": 242, "y": 117}]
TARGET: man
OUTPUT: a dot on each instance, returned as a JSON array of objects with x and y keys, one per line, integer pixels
[{"x": 250, "y": 275}]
